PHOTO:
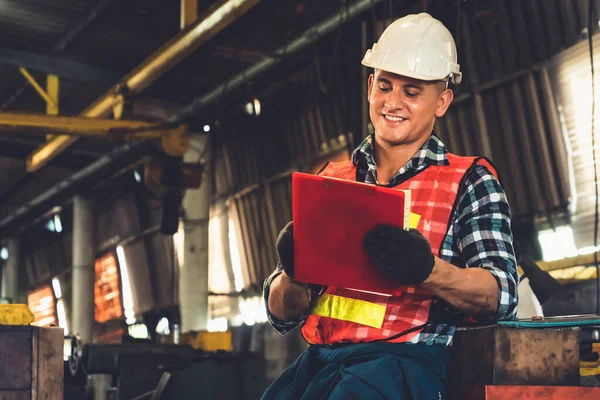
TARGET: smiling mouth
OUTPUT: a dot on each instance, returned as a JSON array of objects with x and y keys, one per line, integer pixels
[{"x": 393, "y": 118}]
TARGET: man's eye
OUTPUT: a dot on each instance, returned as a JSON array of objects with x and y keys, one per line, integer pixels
[
  {"x": 384, "y": 88},
  {"x": 412, "y": 94}
]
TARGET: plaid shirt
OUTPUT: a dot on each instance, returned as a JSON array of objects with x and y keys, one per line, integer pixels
[{"x": 479, "y": 235}]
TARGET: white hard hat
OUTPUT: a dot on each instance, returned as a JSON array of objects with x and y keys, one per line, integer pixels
[{"x": 417, "y": 46}]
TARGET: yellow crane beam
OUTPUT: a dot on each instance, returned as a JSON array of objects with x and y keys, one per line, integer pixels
[{"x": 174, "y": 141}]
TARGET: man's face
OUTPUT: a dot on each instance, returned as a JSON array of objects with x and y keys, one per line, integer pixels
[{"x": 402, "y": 109}]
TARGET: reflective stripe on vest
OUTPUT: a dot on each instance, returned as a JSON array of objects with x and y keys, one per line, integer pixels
[{"x": 347, "y": 309}]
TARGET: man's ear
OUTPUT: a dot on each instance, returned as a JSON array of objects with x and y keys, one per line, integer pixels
[
  {"x": 370, "y": 87},
  {"x": 444, "y": 100}
]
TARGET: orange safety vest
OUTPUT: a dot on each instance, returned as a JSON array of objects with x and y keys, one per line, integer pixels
[{"x": 344, "y": 315}]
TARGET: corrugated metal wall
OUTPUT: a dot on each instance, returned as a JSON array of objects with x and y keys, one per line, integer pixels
[
  {"x": 261, "y": 214},
  {"x": 572, "y": 79},
  {"x": 299, "y": 125},
  {"x": 506, "y": 110},
  {"x": 515, "y": 124},
  {"x": 518, "y": 34}
]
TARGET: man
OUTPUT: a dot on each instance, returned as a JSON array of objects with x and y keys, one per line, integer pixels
[{"x": 459, "y": 261}]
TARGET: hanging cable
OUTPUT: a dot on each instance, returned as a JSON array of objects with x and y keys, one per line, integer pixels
[
  {"x": 324, "y": 86},
  {"x": 591, "y": 9}
]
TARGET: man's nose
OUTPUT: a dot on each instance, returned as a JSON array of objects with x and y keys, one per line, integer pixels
[{"x": 393, "y": 100}]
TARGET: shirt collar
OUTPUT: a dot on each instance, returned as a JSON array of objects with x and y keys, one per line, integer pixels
[{"x": 433, "y": 152}]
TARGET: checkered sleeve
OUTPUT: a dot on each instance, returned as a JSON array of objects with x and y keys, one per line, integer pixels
[
  {"x": 281, "y": 326},
  {"x": 484, "y": 236}
]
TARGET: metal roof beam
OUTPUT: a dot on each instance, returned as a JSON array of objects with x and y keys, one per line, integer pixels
[{"x": 215, "y": 19}]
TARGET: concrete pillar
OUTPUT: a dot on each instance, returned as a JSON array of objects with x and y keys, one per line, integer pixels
[
  {"x": 10, "y": 274},
  {"x": 193, "y": 277},
  {"x": 83, "y": 275},
  {"x": 101, "y": 383},
  {"x": 220, "y": 209}
]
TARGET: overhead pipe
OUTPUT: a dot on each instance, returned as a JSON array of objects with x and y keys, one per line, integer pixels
[
  {"x": 308, "y": 37},
  {"x": 218, "y": 16}
]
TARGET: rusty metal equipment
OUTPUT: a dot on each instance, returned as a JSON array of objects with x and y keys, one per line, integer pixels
[
  {"x": 496, "y": 355},
  {"x": 523, "y": 359},
  {"x": 101, "y": 358},
  {"x": 31, "y": 362}
]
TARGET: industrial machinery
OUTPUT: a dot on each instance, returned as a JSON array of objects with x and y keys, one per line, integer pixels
[{"x": 170, "y": 371}]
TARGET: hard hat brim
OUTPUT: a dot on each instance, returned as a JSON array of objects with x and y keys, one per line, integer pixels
[{"x": 454, "y": 77}]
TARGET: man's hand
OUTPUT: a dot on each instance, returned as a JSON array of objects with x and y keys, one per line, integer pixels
[
  {"x": 288, "y": 299},
  {"x": 285, "y": 248},
  {"x": 404, "y": 256}
]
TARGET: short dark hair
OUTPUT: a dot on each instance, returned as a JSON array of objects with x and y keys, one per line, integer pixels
[{"x": 441, "y": 85}]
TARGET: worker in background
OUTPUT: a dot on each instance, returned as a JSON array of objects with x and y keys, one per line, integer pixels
[{"x": 459, "y": 263}]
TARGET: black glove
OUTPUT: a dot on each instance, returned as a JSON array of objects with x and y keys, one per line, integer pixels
[
  {"x": 404, "y": 256},
  {"x": 285, "y": 248}
]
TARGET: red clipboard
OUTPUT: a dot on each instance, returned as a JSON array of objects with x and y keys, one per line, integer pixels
[{"x": 331, "y": 217}]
